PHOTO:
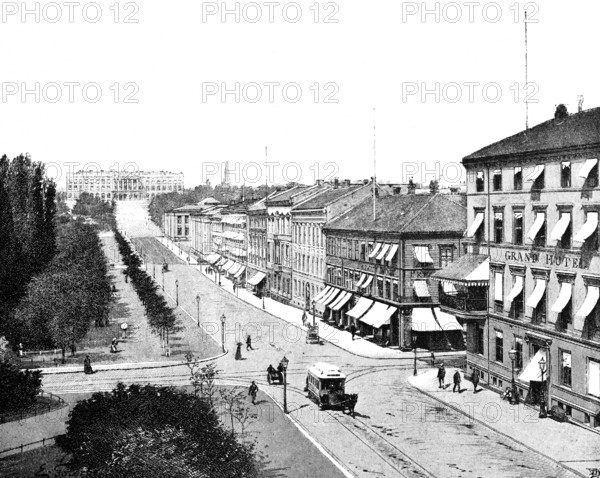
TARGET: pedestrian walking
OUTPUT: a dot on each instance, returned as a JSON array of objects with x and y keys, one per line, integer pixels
[
  {"x": 441, "y": 375},
  {"x": 475, "y": 380},
  {"x": 87, "y": 365},
  {"x": 353, "y": 330},
  {"x": 432, "y": 359},
  {"x": 252, "y": 391},
  {"x": 249, "y": 343},
  {"x": 238, "y": 351},
  {"x": 457, "y": 380}
]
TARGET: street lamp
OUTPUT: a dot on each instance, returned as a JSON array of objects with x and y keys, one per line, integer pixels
[
  {"x": 198, "y": 304},
  {"x": 543, "y": 412},
  {"x": 414, "y": 345},
  {"x": 514, "y": 399},
  {"x": 314, "y": 304},
  {"x": 223, "y": 332},
  {"x": 284, "y": 363},
  {"x": 163, "y": 278},
  {"x": 177, "y": 292}
]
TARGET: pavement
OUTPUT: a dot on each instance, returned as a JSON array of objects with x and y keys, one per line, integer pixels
[
  {"x": 340, "y": 338},
  {"x": 569, "y": 445}
]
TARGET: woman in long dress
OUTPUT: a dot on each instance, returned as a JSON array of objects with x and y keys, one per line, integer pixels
[
  {"x": 87, "y": 365},
  {"x": 238, "y": 351}
]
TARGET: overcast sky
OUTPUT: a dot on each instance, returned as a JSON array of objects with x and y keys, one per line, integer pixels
[{"x": 345, "y": 58}]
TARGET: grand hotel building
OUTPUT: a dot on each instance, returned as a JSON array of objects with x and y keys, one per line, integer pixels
[{"x": 533, "y": 203}]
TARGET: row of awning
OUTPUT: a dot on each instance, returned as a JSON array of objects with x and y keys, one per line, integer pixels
[
  {"x": 238, "y": 236},
  {"x": 590, "y": 225},
  {"x": 382, "y": 250},
  {"x": 256, "y": 278}
]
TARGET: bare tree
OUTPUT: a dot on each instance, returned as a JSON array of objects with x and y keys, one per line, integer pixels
[
  {"x": 202, "y": 378},
  {"x": 234, "y": 400}
]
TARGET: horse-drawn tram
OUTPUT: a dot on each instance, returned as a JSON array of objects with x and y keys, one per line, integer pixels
[{"x": 325, "y": 384}]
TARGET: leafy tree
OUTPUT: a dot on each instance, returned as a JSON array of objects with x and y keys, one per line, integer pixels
[
  {"x": 153, "y": 431},
  {"x": 411, "y": 186},
  {"x": 19, "y": 388},
  {"x": 434, "y": 186}
]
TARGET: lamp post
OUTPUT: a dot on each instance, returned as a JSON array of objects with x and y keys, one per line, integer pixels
[
  {"x": 223, "y": 332},
  {"x": 514, "y": 399},
  {"x": 177, "y": 292},
  {"x": 284, "y": 363},
  {"x": 414, "y": 345},
  {"x": 163, "y": 278},
  {"x": 314, "y": 304},
  {"x": 198, "y": 304},
  {"x": 543, "y": 412}
]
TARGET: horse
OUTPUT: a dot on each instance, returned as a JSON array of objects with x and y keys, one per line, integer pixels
[{"x": 349, "y": 402}]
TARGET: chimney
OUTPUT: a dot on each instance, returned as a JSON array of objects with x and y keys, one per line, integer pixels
[
  {"x": 579, "y": 103},
  {"x": 561, "y": 112},
  {"x": 347, "y": 182}
]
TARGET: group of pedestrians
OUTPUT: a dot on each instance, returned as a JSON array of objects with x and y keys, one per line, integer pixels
[
  {"x": 456, "y": 378},
  {"x": 238, "y": 350}
]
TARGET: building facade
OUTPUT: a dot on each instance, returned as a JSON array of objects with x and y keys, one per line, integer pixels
[
  {"x": 178, "y": 224},
  {"x": 257, "y": 248},
  {"x": 124, "y": 185},
  {"x": 308, "y": 240},
  {"x": 533, "y": 203},
  {"x": 378, "y": 269}
]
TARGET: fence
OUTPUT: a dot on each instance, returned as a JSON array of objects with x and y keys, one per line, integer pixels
[
  {"x": 28, "y": 413},
  {"x": 21, "y": 448}
]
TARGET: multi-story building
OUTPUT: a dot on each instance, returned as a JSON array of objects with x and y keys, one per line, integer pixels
[
  {"x": 279, "y": 239},
  {"x": 378, "y": 268},
  {"x": 308, "y": 240},
  {"x": 257, "y": 248},
  {"x": 123, "y": 185},
  {"x": 533, "y": 203},
  {"x": 177, "y": 223},
  {"x": 234, "y": 240},
  {"x": 203, "y": 242}
]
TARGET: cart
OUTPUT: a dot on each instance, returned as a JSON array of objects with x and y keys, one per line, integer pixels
[{"x": 312, "y": 335}]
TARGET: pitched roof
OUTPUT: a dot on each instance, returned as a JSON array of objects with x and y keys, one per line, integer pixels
[
  {"x": 577, "y": 129},
  {"x": 327, "y": 197},
  {"x": 405, "y": 214}
]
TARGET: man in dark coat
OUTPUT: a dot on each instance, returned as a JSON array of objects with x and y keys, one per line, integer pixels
[
  {"x": 249, "y": 343},
  {"x": 353, "y": 330},
  {"x": 475, "y": 380},
  {"x": 457, "y": 380},
  {"x": 252, "y": 391},
  {"x": 441, "y": 375}
]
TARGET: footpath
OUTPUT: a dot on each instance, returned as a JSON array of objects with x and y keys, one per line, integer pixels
[
  {"x": 333, "y": 335},
  {"x": 570, "y": 445}
]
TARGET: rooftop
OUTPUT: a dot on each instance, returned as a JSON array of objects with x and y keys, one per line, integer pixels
[
  {"x": 574, "y": 130},
  {"x": 327, "y": 197},
  {"x": 406, "y": 214}
]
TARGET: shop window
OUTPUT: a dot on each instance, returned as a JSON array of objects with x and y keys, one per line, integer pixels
[
  {"x": 498, "y": 227},
  {"x": 565, "y": 174},
  {"x": 565, "y": 368},
  {"x": 499, "y": 346}
]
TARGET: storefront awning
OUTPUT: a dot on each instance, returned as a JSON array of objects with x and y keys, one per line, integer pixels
[
  {"x": 428, "y": 319},
  {"x": 532, "y": 373},
  {"x": 378, "y": 315},
  {"x": 257, "y": 278},
  {"x": 222, "y": 262},
  {"x": 469, "y": 270},
  {"x": 591, "y": 299},
  {"x": 367, "y": 282},
  {"x": 392, "y": 252},
  {"x": 540, "y": 217},
  {"x": 342, "y": 302},
  {"x": 560, "y": 227},
  {"x": 475, "y": 225},
  {"x": 590, "y": 226},
  {"x": 382, "y": 252},
  {"x": 322, "y": 293},
  {"x": 326, "y": 296},
  {"x": 361, "y": 280},
  {"x": 213, "y": 258},
  {"x": 421, "y": 289},
  {"x": 375, "y": 250},
  {"x": 235, "y": 268},
  {"x": 537, "y": 294},
  {"x": 360, "y": 308},
  {"x": 422, "y": 254},
  {"x": 516, "y": 290},
  {"x": 564, "y": 296},
  {"x": 240, "y": 272},
  {"x": 228, "y": 265},
  {"x": 340, "y": 296},
  {"x": 589, "y": 164},
  {"x": 331, "y": 297}
]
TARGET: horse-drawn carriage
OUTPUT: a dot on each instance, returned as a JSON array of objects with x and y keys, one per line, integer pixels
[
  {"x": 275, "y": 374},
  {"x": 312, "y": 335},
  {"x": 325, "y": 384}
]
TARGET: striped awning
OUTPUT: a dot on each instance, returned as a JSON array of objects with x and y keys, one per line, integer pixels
[
  {"x": 342, "y": 301},
  {"x": 360, "y": 308},
  {"x": 322, "y": 293},
  {"x": 469, "y": 270},
  {"x": 331, "y": 297},
  {"x": 257, "y": 278},
  {"x": 421, "y": 289},
  {"x": 240, "y": 271}
]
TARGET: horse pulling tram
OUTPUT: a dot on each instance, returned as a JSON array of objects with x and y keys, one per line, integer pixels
[{"x": 325, "y": 384}]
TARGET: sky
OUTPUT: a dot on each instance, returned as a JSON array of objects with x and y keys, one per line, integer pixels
[{"x": 184, "y": 86}]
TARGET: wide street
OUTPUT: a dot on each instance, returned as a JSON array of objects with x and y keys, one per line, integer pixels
[{"x": 397, "y": 431}]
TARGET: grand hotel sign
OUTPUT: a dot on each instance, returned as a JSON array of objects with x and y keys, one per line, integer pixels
[{"x": 542, "y": 258}]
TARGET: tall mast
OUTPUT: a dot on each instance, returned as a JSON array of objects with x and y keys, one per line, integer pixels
[
  {"x": 526, "y": 77},
  {"x": 374, "y": 166}
]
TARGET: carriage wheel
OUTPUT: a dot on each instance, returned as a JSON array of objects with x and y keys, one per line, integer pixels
[{"x": 269, "y": 378}]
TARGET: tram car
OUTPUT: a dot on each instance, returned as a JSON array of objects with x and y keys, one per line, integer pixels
[{"x": 326, "y": 385}]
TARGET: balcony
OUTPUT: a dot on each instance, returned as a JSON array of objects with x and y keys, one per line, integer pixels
[{"x": 461, "y": 304}]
